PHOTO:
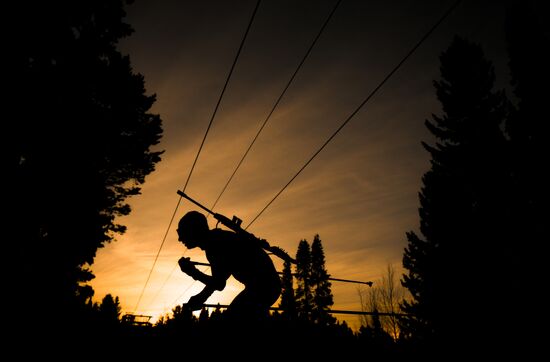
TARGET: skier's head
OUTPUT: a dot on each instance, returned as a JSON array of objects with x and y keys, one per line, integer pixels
[{"x": 192, "y": 229}]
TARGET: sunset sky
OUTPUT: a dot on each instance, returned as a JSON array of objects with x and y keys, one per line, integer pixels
[{"x": 360, "y": 194}]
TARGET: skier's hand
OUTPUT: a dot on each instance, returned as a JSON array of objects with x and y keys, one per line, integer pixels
[{"x": 187, "y": 266}]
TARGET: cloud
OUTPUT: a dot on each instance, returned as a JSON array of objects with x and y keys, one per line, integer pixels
[{"x": 359, "y": 194}]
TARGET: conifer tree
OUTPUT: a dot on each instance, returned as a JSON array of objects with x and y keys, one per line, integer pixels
[
  {"x": 288, "y": 297},
  {"x": 203, "y": 316},
  {"x": 320, "y": 284},
  {"x": 304, "y": 296},
  {"x": 110, "y": 308},
  {"x": 451, "y": 269},
  {"x": 81, "y": 136},
  {"x": 375, "y": 338}
]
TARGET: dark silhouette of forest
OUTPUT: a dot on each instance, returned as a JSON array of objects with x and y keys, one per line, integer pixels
[
  {"x": 473, "y": 270},
  {"x": 80, "y": 140}
]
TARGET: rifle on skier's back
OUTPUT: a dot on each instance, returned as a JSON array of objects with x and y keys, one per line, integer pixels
[{"x": 235, "y": 225}]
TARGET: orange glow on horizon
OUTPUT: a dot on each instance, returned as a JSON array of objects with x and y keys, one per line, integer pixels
[{"x": 360, "y": 195}]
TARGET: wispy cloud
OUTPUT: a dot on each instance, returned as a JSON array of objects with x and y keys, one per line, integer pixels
[{"x": 359, "y": 195}]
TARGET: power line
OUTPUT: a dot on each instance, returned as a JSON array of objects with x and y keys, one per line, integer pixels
[
  {"x": 374, "y": 91},
  {"x": 200, "y": 149},
  {"x": 184, "y": 292},
  {"x": 163, "y": 284},
  {"x": 276, "y": 103},
  {"x": 158, "y": 253},
  {"x": 268, "y": 116},
  {"x": 222, "y": 93},
  {"x": 189, "y": 287}
]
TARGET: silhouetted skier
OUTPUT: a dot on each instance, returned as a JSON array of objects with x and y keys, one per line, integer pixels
[{"x": 229, "y": 254}]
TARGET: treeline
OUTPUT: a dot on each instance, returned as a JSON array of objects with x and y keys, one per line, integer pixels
[
  {"x": 475, "y": 268},
  {"x": 79, "y": 141},
  {"x": 302, "y": 323}
]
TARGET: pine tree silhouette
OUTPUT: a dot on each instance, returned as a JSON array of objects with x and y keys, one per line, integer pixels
[
  {"x": 451, "y": 270},
  {"x": 288, "y": 297},
  {"x": 81, "y": 136},
  {"x": 110, "y": 308},
  {"x": 304, "y": 294},
  {"x": 321, "y": 286}
]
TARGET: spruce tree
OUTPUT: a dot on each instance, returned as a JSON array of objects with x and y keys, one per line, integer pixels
[
  {"x": 110, "y": 308},
  {"x": 105, "y": 322},
  {"x": 204, "y": 318},
  {"x": 452, "y": 268},
  {"x": 304, "y": 296},
  {"x": 288, "y": 297},
  {"x": 320, "y": 284},
  {"x": 81, "y": 132}
]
